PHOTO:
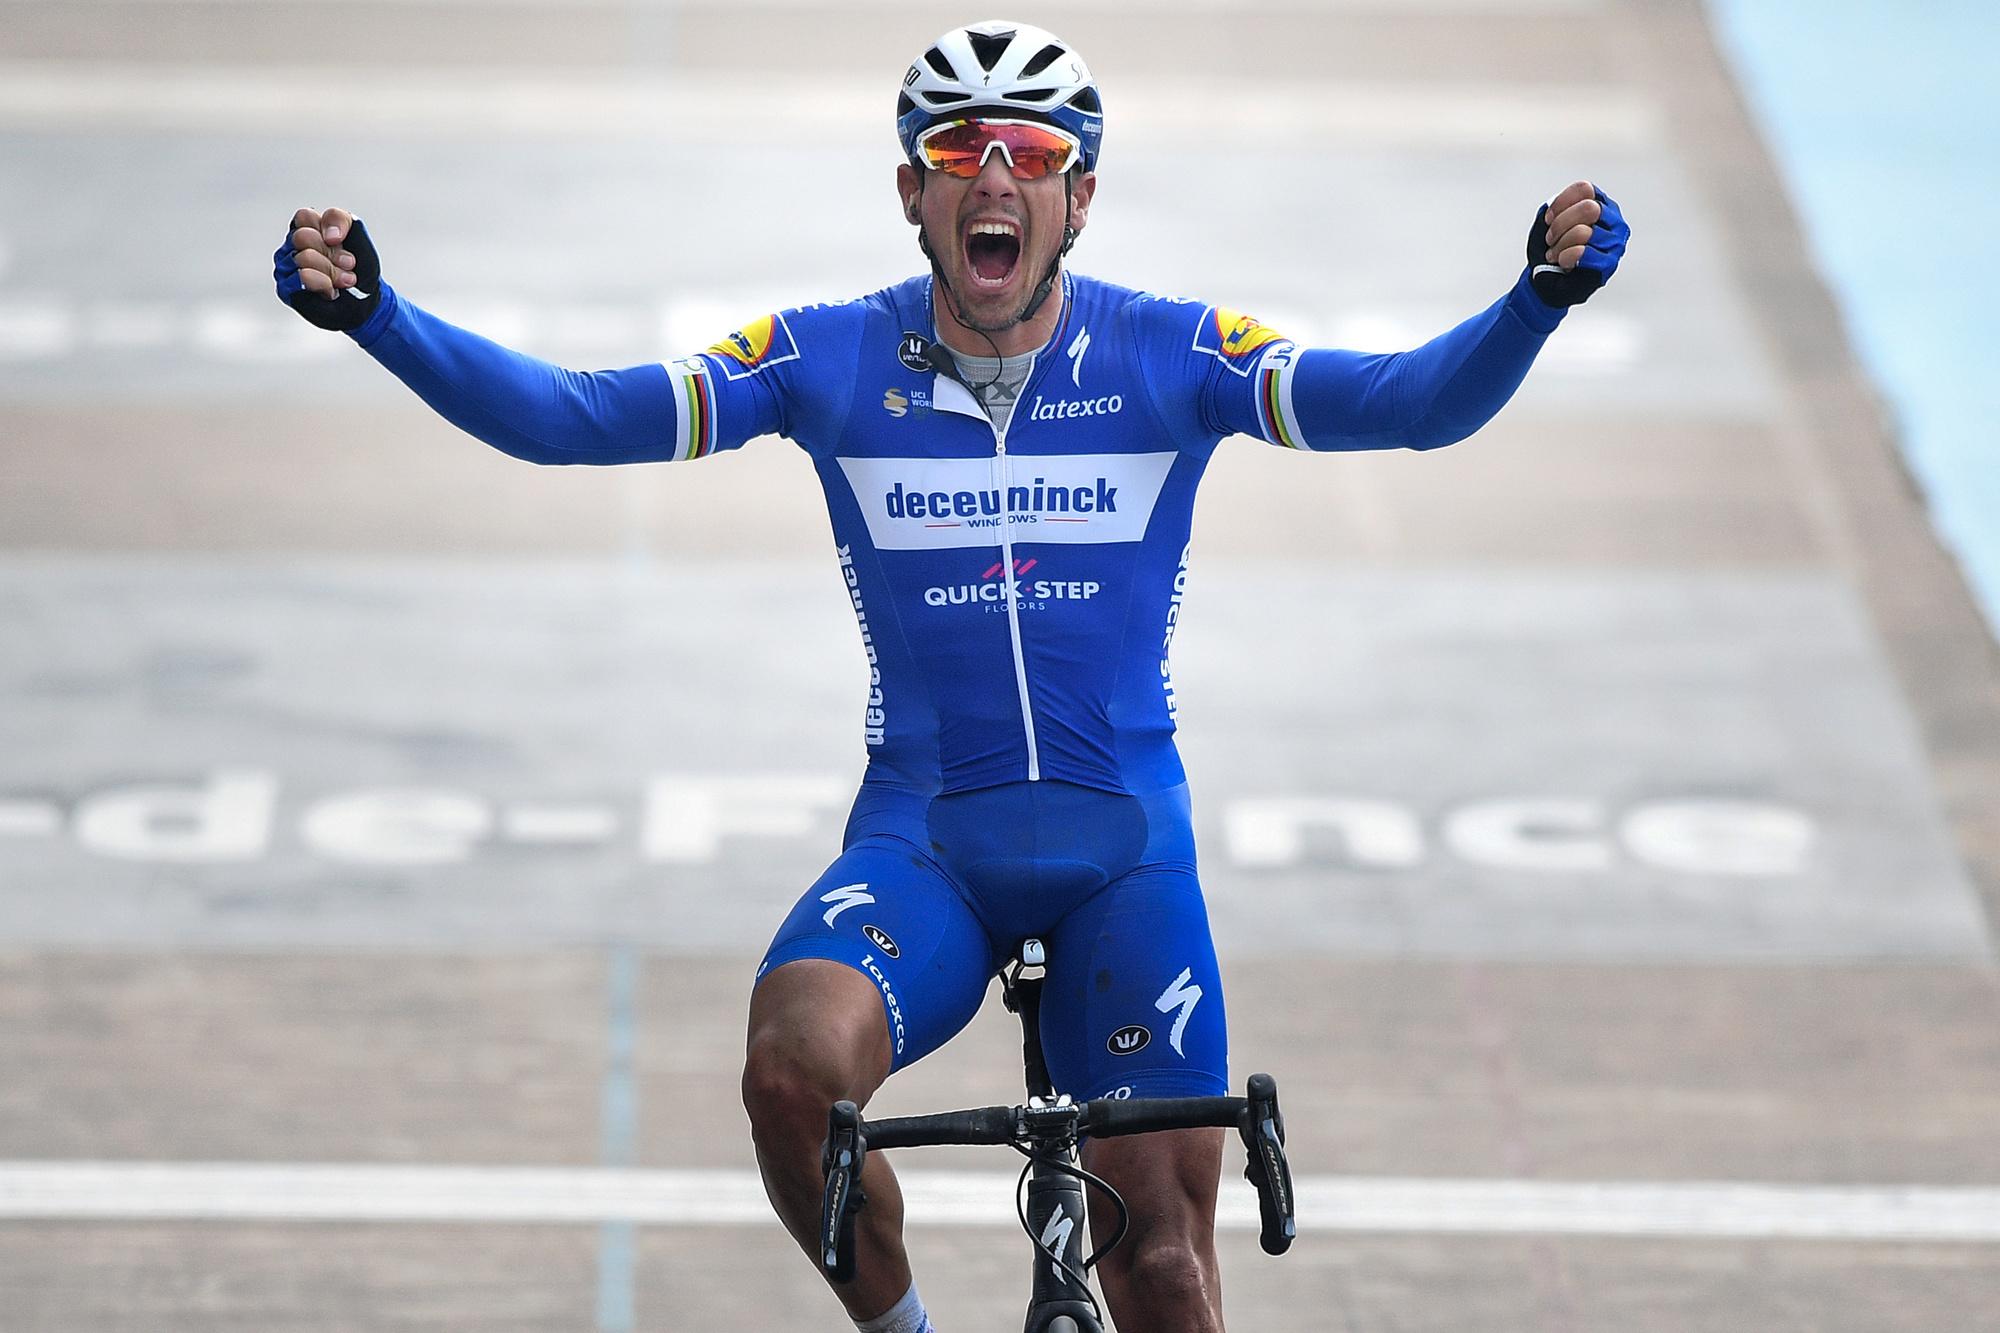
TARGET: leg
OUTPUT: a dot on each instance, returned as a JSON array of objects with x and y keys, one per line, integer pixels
[
  {"x": 1163, "y": 1278},
  {"x": 816, "y": 1036},
  {"x": 878, "y": 964},
  {"x": 1134, "y": 1008}
]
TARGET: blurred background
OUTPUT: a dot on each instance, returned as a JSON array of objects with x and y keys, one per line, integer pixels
[{"x": 1600, "y": 818}]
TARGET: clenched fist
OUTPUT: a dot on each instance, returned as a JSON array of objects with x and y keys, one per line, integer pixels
[
  {"x": 328, "y": 270},
  {"x": 1575, "y": 245}
]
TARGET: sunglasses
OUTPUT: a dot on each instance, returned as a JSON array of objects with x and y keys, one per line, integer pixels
[{"x": 1030, "y": 149}]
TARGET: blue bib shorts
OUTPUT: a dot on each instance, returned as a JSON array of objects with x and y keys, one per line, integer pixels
[{"x": 933, "y": 894}]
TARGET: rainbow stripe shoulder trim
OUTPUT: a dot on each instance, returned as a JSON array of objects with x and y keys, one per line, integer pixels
[
  {"x": 694, "y": 408},
  {"x": 1275, "y": 414}
]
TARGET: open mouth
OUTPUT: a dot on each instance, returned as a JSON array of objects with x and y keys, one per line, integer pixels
[{"x": 992, "y": 251}]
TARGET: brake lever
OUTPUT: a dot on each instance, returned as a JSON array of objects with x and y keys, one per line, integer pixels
[
  {"x": 841, "y": 1160},
  {"x": 1263, "y": 1132}
]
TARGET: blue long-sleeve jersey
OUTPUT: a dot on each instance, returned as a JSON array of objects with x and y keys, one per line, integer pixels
[{"x": 1017, "y": 590}]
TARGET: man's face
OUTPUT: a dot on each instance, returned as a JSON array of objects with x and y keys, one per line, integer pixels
[{"x": 993, "y": 235}]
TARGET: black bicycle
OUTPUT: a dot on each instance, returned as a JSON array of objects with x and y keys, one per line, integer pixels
[{"x": 1046, "y": 1131}]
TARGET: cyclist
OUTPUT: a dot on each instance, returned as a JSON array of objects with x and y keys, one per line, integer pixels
[{"x": 1009, "y": 453}]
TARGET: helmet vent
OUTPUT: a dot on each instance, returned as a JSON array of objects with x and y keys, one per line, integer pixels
[
  {"x": 946, "y": 99},
  {"x": 1045, "y": 57},
  {"x": 1032, "y": 94},
  {"x": 938, "y": 63},
  {"x": 990, "y": 46},
  {"x": 904, "y": 106},
  {"x": 1086, "y": 101}
]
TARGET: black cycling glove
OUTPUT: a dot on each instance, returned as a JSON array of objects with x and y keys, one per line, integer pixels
[
  {"x": 349, "y": 308},
  {"x": 1561, "y": 287}
]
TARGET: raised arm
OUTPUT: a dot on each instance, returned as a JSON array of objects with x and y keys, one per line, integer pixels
[
  {"x": 328, "y": 270},
  {"x": 1443, "y": 391}
]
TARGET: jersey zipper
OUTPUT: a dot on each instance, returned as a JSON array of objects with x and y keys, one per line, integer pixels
[{"x": 1003, "y": 474}]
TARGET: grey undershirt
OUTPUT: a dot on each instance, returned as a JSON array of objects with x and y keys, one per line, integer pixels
[{"x": 1007, "y": 376}]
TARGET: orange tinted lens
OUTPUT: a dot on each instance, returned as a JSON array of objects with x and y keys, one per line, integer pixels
[{"x": 1030, "y": 150}]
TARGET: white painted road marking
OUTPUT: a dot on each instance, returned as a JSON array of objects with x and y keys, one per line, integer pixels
[
  {"x": 230, "y": 816},
  {"x": 29, "y": 819},
  {"x": 558, "y": 823},
  {"x": 1693, "y": 873},
  {"x": 221, "y": 1192}
]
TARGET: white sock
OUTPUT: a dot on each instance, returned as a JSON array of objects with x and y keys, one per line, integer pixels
[{"x": 905, "y": 1316}]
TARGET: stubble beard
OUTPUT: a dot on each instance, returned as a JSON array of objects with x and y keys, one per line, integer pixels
[
  {"x": 957, "y": 286},
  {"x": 966, "y": 317}
]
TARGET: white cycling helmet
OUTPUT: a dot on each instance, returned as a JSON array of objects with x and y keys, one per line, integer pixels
[{"x": 1026, "y": 72}]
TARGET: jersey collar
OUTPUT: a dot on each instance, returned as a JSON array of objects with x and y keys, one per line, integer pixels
[{"x": 947, "y": 394}]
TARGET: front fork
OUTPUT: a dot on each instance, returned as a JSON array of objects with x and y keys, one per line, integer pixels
[{"x": 1056, "y": 1220}]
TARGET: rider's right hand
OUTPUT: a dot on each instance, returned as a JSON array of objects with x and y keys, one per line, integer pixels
[{"x": 327, "y": 269}]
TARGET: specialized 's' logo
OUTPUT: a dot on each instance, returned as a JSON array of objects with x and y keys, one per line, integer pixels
[
  {"x": 1129, "y": 1040},
  {"x": 880, "y": 939},
  {"x": 758, "y": 345},
  {"x": 1183, "y": 996},
  {"x": 852, "y": 895},
  {"x": 1055, "y": 1239},
  {"x": 894, "y": 403},
  {"x": 1077, "y": 348}
]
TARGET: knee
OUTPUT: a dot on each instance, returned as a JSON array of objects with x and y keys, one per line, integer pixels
[
  {"x": 787, "y": 1086},
  {"x": 793, "y": 1073},
  {"x": 1170, "y": 1270}
]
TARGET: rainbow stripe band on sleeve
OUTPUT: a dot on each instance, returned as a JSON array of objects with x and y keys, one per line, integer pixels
[
  {"x": 694, "y": 409},
  {"x": 1274, "y": 399}
]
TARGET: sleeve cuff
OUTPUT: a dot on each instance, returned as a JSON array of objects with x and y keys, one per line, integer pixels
[
  {"x": 377, "y": 323},
  {"x": 1531, "y": 309}
]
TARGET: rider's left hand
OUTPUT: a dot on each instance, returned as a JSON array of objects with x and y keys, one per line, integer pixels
[{"x": 1575, "y": 245}]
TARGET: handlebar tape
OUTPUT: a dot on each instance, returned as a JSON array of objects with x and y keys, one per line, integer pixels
[
  {"x": 988, "y": 1124},
  {"x": 1109, "y": 1120}
]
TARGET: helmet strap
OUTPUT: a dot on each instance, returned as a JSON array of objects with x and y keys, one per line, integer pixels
[
  {"x": 1048, "y": 281},
  {"x": 939, "y": 281}
]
